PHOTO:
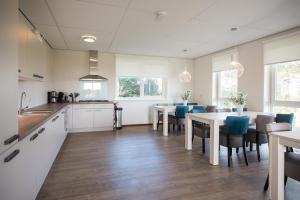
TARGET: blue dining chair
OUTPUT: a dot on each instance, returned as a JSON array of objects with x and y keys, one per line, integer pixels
[
  {"x": 233, "y": 135},
  {"x": 199, "y": 129},
  {"x": 179, "y": 118},
  {"x": 235, "y": 109},
  {"x": 192, "y": 104},
  {"x": 286, "y": 118},
  {"x": 178, "y": 104}
]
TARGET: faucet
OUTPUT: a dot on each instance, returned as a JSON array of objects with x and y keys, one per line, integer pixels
[{"x": 21, "y": 109}]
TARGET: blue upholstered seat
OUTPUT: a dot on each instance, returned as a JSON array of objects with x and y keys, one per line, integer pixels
[
  {"x": 233, "y": 134},
  {"x": 284, "y": 118},
  {"x": 198, "y": 109},
  {"x": 237, "y": 125}
]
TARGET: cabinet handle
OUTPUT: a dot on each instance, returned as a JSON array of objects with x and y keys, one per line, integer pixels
[
  {"x": 41, "y": 130},
  {"x": 37, "y": 76},
  {"x": 34, "y": 137},
  {"x": 63, "y": 112},
  {"x": 11, "y": 139},
  {"x": 12, "y": 155},
  {"x": 55, "y": 118}
]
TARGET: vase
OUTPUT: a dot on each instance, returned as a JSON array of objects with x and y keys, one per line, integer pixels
[
  {"x": 185, "y": 102},
  {"x": 240, "y": 109}
]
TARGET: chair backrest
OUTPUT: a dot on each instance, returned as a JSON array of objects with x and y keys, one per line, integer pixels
[
  {"x": 223, "y": 110},
  {"x": 235, "y": 109},
  {"x": 285, "y": 118},
  {"x": 211, "y": 108},
  {"x": 192, "y": 104},
  {"x": 178, "y": 104},
  {"x": 181, "y": 111},
  {"x": 198, "y": 109},
  {"x": 237, "y": 125},
  {"x": 262, "y": 120},
  {"x": 276, "y": 127}
]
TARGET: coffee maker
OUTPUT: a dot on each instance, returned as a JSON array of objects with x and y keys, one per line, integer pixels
[{"x": 52, "y": 97}]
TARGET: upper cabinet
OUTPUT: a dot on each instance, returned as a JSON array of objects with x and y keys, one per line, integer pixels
[{"x": 33, "y": 53}]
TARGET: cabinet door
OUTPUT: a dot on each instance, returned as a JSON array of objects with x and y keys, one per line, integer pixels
[
  {"x": 8, "y": 74},
  {"x": 69, "y": 117},
  {"x": 17, "y": 172},
  {"x": 22, "y": 48},
  {"x": 82, "y": 118},
  {"x": 39, "y": 146},
  {"x": 103, "y": 118}
]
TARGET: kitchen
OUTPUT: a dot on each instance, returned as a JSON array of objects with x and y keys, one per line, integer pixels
[{"x": 91, "y": 92}]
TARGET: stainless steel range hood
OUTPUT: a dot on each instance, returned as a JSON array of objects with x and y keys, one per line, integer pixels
[{"x": 93, "y": 68}]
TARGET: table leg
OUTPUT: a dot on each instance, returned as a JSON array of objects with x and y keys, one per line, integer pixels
[
  {"x": 214, "y": 143},
  {"x": 276, "y": 169},
  {"x": 155, "y": 117},
  {"x": 165, "y": 121},
  {"x": 188, "y": 133}
]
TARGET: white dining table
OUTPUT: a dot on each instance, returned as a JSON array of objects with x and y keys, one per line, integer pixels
[
  {"x": 214, "y": 120},
  {"x": 278, "y": 142}
]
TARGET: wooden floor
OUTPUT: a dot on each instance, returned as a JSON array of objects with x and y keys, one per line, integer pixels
[{"x": 137, "y": 163}]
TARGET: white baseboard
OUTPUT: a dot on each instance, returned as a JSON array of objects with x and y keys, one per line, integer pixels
[{"x": 77, "y": 130}]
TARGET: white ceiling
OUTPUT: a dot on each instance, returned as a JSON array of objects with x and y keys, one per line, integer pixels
[{"x": 131, "y": 26}]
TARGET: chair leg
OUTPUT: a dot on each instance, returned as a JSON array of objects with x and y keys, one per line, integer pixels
[
  {"x": 237, "y": 150},
  {"x": 257, "y": 147},
  {"x": 203, "y": 145},
  {"x": 173, "y": 127},
  {"x": 229, "y": 150},
  {"x": 285, "y": 180},
  {"x": 244, "y": 150},
  {"x": 193, "y": 135},
  {"x": 157, "y": 124},
  {"x": 251, "y": 146},
  {"x": 266, "y": 184}
]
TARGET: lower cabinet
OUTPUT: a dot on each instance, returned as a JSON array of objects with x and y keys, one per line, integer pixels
[
  {"x": 24, "y": 167},
  {"x": 92, "y": 117}
]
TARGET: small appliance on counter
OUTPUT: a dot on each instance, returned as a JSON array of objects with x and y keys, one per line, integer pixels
[
  {"x": 52, "y": 97},
  {"x": 61, "y": 98},
  {"x": 73, "y": 96}
]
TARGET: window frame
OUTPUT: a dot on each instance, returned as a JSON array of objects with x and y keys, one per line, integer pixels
[
  {"x": 217, "y": 93},
  {"x": 142, "y": 94},
  {"x": 273, "y": 89}
]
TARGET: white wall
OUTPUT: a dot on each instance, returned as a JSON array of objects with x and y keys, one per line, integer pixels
[{"x": 203, "y": 80}]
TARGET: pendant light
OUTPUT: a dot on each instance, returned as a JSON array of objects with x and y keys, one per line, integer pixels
[
  {"x": 237, "y": 66},
  {"x": 234, "y": 63},
  {"x": 185, "y": 76}
]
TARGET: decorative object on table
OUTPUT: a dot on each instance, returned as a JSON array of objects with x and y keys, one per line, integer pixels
[
  {"x": 186, "y": 96},
  {"x": 185, "y": 76},
  {"x": 239, "y": 100}
]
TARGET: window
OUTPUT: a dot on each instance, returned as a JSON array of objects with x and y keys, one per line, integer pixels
[
  {"x": 225, "y": 84},
  {"x": 135, "y": 87},
  {"x": 129, "y": 87},
  {"x": 153, "y": 87},
  {"x": 285, "y": 92},
  {"x": 93, "y": 90}
]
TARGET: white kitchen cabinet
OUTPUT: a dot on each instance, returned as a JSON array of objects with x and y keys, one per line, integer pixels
[
  {"x": 82, "y": 118},
  {"x": 103, "y": 118},
  {"x": 69, "y": 117},
  {"x": 92, "y": 117},
  {"x": 17, "y": 172},
  {"x": 32, "y": 51},
  {"x": 8, "y": 74}
]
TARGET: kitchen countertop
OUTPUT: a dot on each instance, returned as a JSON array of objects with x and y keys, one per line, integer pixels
[{"x": 29, "y": 123}]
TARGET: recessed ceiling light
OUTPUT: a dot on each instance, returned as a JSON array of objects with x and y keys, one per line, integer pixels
[
  {"x": 185, "y": 50},
  {"x": 89, "y": 38},
  {"x": 234, "y": 29}
]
